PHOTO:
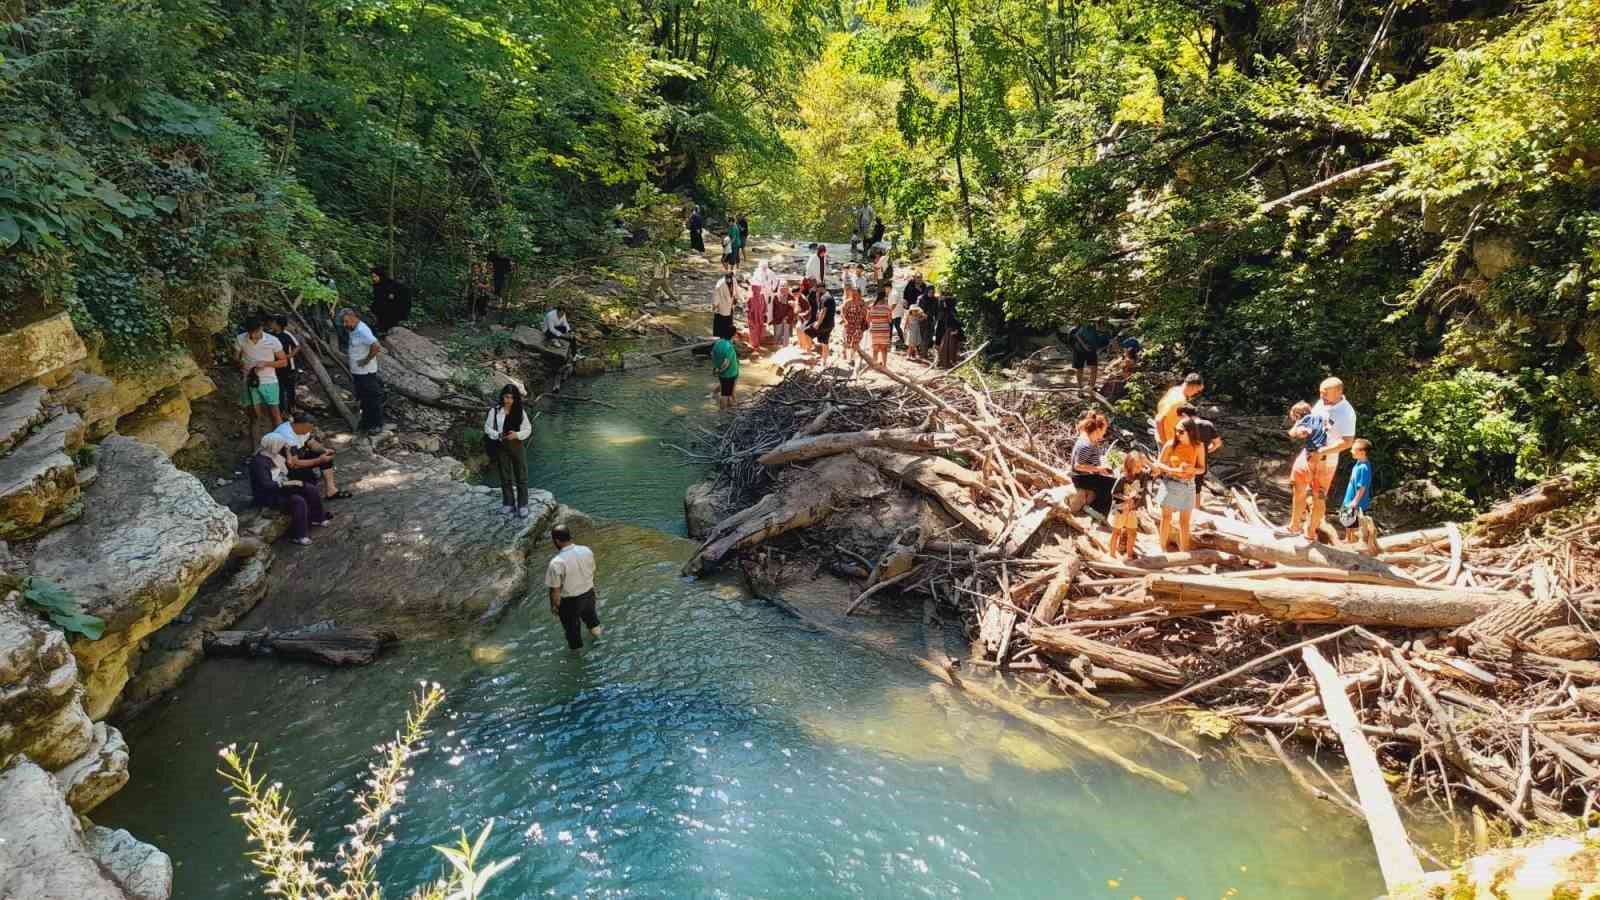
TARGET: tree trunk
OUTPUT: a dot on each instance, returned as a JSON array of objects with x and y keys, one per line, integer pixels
[
  {"x": 1062, "y": 641},
  {"x": 803, "y": 448},
  {"x": 777, "y": 517},
  {"x": 1547, "y": 496},
  {"x": 961, "y": 116},
  {"x": 1305, "y": 601},
  {"x": 929, "y": 475},
  {"x": 1301, "y": 552}
]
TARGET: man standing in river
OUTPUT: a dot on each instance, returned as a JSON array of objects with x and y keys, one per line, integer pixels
[{"x": 570, "y": 578}]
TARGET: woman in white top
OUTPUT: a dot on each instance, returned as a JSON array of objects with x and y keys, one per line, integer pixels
[{"x": 506, "y": 428}]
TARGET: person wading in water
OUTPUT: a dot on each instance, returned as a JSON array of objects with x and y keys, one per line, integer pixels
[{"x": 570, "y": 578}]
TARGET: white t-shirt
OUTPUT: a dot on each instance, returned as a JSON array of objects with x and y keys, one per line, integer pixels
[
  {"x": 1342, "y": 415},
  {"x": 260, "y": 354},
  {"x": 571, "y": 570},
  {"x": 724, "y": 297},
  {"x": 556, "y": 323},
  {"x": 361, "y": 341},
  {"x": 815, "y": 269}
]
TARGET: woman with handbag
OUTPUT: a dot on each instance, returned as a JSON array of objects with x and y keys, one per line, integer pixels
[{"x": 507, "y": 427}]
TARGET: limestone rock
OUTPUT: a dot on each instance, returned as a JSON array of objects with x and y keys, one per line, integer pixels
[
  {"x": 39, "y": 712},
  {"x": 419, "y": 354},
  {"x": 415, "y": 551},
  {"x": 39, "y": 479},
  {"x": 704, "y": 505},
  {"x": 531, "y": 338},
  {"x": 43, "y": 855},
  {"x": 172, "y": 652},
  {"x": 198, "y": 385},
  {"x": 98, "y": 774},
  {"x": 134, "y": 389},
  {"x": 163, "y": 422},
  {"x": 94, "y": 397},
  {"x": 39, "y": 349},
  {"x": 20, "y": 410},
  {"x": 423, "y": 443},
  {"x": 154, "y": 535},
  {"x": 144, "y": 872}
]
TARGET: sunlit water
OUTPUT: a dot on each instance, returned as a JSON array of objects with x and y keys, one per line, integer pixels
[{"x": 710, "y": 745}]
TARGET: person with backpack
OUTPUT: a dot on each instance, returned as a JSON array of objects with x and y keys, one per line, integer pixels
[
  {"x": 391, "y": 300},
  {"x": 1087, "y": 342}
]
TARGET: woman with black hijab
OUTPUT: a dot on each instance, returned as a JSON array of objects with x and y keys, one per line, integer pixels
[{"x": 506, "y": 428}]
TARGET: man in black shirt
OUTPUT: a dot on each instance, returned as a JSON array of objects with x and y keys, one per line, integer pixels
[
  {"x": 289, "y": 375},
  {"x": 390, "y": 306},
  {"x": 501, "y": 265}
]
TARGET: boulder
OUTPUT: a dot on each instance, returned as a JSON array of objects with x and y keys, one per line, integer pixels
[
  {"x": 198, "y": 385},
  {"x": 415, "y": 551},
  {"x": 90, "y": 779},
  {"x": 589, "y": 366},
  {"x": 94, "y": 397},
  {"x": 39, "y": 479},
  {"x": 143, "y": 872},
  {"x": 162, "y": 423},
  {"x": 43, "y": 852},
  {"x": 39, "y": 350},
  {"x": 422, "y": 355},
  {"x": 530, "y": 338},
  {"x": 39, "y": 710},
  {"x": 149, "y": 536},
  {"x": 704, "y": 505},
  {"x": 20, "y": 410}
]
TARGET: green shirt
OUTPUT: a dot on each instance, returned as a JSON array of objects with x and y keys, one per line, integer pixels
[
  {"x": 725, "y": 359},
  {"x": 736, "y": 238}
]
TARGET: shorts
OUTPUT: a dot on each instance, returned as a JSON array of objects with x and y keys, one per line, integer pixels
[
  {"x": 819, "y": 335},
  {"x": 1082, "y": 358},
  {"x": 1316, "y": 475},
  {"x": 727, "y": 385},
  {"x": 261, "y": 395},
  {"x": 1176, "y": 495}
]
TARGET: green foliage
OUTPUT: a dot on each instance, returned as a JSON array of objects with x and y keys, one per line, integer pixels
[
  {"x": 62, "y": 608},
  {"x": 1466, "y": 430}
]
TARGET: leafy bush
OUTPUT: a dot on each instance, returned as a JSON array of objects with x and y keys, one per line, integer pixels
[{"x": 1462, "y": 429}]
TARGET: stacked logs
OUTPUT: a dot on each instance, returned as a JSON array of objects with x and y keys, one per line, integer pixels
[{"x": 1468, "y": 654}]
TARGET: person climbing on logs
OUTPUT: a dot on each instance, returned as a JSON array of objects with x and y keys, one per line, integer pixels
[{"x": 570, "y": 579}]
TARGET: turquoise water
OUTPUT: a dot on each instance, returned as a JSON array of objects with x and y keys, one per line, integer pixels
[{"x": 710, "y": 746}]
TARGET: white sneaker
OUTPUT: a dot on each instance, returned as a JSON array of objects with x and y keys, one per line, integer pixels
[
  {"x": 507, "y": 509},
  {"x": 302, "y": 541}
]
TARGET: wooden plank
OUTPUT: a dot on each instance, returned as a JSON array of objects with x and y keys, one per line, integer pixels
[{"x": 1396, "y": 859}]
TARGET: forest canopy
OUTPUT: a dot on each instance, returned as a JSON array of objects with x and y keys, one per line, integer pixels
[{"x": 1403, "y": 193}]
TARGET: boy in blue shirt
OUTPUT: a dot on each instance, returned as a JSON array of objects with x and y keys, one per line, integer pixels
[{"x": 1358, "y": 494}]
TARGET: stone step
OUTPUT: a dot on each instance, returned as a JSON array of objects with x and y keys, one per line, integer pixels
[
  {"x": 39, "y": 479},
  {"x": 20, "y": 410}
]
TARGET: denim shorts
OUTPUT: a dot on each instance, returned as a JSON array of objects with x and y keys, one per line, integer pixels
[{"x": 1177, "y": 495}]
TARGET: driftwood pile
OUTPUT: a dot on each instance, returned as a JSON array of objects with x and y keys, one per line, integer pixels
[{"x": 1465, "y": 654}]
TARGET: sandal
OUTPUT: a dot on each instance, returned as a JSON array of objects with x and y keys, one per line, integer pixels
[{"x": 341, "y": 495}]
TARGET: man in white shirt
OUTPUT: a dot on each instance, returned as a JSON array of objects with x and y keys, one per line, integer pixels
[
  {"x": 570, "y": 578},
  {"x": 1342, "y": 417},
  {"x": 259, "y": 356},
  {"x": 364, "y": 350},
  {"x": 557, "y": 328}
]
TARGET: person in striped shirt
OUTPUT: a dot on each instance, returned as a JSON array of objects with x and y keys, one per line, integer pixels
[{"x": 880, "y": 319}]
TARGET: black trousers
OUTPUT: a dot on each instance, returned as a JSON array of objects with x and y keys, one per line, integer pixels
[
  {"x": 513, "y": 467},
  {"x": 288, "y": 379},
  {"x": 1101, "y": 485},
  {"x": 573, "y": 610},
  {"x": 369, "y": 391}
]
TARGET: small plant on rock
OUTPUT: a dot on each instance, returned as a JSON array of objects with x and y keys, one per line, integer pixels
[
  {"x": 284, "y": 851},
  {"x": 56, "y": 602}
]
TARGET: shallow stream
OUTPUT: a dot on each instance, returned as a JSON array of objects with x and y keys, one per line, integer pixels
[{"x": 710, "y": 745}]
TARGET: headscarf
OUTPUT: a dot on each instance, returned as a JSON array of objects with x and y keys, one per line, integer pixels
[
  {"x": 765, "y": 277},
  {"x": 273, "y": 447}
]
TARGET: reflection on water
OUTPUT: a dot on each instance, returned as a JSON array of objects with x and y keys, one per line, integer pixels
[{"x": 709, "y": 745}]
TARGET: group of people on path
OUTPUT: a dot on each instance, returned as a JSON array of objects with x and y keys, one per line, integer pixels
[
  {"x": 870, "y": 316},
  {"x": 1176, "y": 472}
]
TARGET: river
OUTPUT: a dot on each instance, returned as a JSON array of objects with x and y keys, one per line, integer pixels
[{"x": 710, "y": 745}]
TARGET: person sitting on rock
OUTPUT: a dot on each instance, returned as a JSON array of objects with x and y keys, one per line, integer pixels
[
  {"x": 272, "y": 488},
  {"x": 557, "y": 328},
  {"x": 310, "y": 457}
]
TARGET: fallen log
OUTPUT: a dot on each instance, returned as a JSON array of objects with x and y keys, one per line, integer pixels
[
  {"x": 1396, "y": 859},
  {"x": 1300, "y": 552},
  {"x": 1055, "y": 593},
  {"x": 1024, "y": 527},
  {"x": 1411, "y": 540},
  {"x": 777, "y": 515},
  {"x": 813, "y": 447},
  {"x": 1547, "y": 495},
  {"x": 330, "y": 646},
  {"x": 931, "y": 476},
  {"x": 1305, "y": 601},
  {"x": 1161, "y": 561},
  {"x": 309, "y": 353},
  {"x": 1062, "y": 641}
]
